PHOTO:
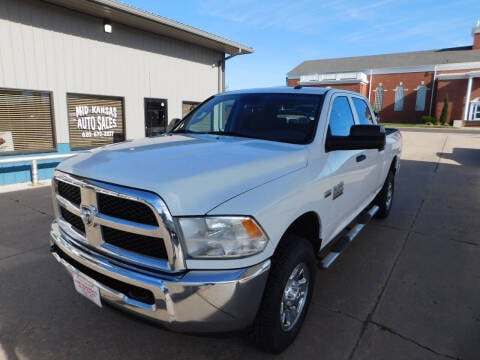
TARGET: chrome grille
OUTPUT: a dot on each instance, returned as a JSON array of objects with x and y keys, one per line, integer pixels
[
  {"x": 74, "y": 220},
  {"x": 69, "y": 192},
  {"x": 125, "y": 209},
  {"x": 141, "y": 244},
  {"x": 129, "y": 225}
]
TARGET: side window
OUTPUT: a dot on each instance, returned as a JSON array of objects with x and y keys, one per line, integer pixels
[
  {"x": 202, "y": 122},
  {"x": 363, "y": 111},
  {"x": 341, "y": 117},
  {"x": 213, "y": 118}
]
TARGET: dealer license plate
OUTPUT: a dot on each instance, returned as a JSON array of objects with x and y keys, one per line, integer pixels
[{"x": 88, "y": 289}]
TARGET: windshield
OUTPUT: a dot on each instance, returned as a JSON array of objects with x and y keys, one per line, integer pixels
[{"x": 280, "y": 117}]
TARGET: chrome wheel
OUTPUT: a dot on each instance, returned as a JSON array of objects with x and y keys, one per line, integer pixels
[
  {"x": 389, "y": 197},
  {"x": 286, "y": 295},
  {"x": 294, "y": 296}
]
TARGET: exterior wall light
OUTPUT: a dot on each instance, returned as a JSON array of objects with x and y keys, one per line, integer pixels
[{"x": 107, "y": 27}]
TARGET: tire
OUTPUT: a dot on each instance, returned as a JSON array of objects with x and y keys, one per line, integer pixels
[
  {"x": 292, "y": 274},
  {"x": 384, "y": 199}
]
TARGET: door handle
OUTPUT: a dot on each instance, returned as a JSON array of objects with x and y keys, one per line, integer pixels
[{"x": 361, "y": 157}]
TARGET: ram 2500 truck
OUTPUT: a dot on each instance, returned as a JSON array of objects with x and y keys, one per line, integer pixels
[{"x": 220, "y": 224}]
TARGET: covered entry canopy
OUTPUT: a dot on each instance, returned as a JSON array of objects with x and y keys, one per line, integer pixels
[{"x": 470, "y": 107}]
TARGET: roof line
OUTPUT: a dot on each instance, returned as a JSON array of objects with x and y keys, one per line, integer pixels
[
  {"x": 173, "y": 23},
  {"x": 113, "y": 10},
  {"x": 469, "y": 47}
]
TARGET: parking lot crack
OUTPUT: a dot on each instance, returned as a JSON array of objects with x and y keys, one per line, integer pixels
[
  {"x": 439, "y": 160},
  {"x": 385, "y": 284},
  {"x": 465, "y": 242},
  {"x": 396, "y": 333},
  {"x": 448, "y": 238},
  {"x": 20, "y": 203},
  {"x": 342, "y": 313},
  {"x": 21, "y": 253}
]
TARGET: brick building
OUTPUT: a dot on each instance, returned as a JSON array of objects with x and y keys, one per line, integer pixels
[{"x": 406, "y": 86}]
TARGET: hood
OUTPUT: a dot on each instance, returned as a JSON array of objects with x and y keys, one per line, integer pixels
[{"x": 192, "y": 174}]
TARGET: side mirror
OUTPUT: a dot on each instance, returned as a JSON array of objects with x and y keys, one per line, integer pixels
[
  {"x": 174, "y": 122},
  {"x": 361, "y": 137}
]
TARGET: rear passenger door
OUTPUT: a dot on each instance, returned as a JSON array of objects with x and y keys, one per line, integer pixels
[{"x": 372, "y": 158}]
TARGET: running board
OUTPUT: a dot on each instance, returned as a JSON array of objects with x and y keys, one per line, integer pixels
[{"x": 346, "y": 239}]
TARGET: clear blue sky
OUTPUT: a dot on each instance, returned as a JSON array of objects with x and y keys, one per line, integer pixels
[{"x": 286, "y": 32}]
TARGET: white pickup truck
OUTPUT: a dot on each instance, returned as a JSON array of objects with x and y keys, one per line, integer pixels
[{"x": 220, "y": 224}]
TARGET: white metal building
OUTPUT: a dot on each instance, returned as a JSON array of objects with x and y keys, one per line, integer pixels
[{"x": 76, "y": 74}]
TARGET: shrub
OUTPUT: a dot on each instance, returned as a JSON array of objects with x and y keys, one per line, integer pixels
[
  {"x": 429, "y": 120},
  {"x": 444, "y": 115}
]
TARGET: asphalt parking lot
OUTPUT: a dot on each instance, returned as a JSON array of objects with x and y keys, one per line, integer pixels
[{"x": 407, "y": 288}]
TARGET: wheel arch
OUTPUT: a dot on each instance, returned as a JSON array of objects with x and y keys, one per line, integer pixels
[
  {"x": 393, "y": 165},
  {"x": 308, "y": 227}
]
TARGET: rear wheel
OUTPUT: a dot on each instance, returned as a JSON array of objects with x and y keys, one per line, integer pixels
[
  {"x": 384, "y": 198},
  {"x": 287, "y": 295}
]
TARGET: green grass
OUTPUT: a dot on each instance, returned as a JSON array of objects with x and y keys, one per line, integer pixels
[{"x": 399, "y": 125}]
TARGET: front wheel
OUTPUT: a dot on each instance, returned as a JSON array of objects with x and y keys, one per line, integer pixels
[
  {"x": 287, "y": 295},
  {"x": 384, "y": 198}
]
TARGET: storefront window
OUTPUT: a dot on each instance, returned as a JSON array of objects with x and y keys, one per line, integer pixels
[
  {"x": 188, "y": 106},
  {"x": 26, "y": 122},
  {"x": 95, "y": 120}
]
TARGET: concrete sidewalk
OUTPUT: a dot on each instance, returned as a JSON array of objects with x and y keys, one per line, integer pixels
[{"x": 407, "y": 288}]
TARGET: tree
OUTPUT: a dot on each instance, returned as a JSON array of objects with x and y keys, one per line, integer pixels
[{"x": 444, "y": 115}]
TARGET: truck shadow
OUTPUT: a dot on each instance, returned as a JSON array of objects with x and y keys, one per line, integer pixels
[{"x": 463, "y": 156}]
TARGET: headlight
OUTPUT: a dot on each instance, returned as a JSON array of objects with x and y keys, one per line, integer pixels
[{"x": 215, "y": 237}]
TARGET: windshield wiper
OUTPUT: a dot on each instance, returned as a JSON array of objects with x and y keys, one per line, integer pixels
[
  {"x": 185, "y": 131},
  {"x": 229, "y": 133}
]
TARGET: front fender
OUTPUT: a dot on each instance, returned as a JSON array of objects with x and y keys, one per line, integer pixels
[{"x": 275, "y": 205}]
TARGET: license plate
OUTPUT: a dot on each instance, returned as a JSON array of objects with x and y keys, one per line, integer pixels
[{"x": 88, "y": 289}]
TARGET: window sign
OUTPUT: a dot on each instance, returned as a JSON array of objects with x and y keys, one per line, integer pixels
[
  {"x": 6, "y": 141},
  {"x": 94, "y": 121}
]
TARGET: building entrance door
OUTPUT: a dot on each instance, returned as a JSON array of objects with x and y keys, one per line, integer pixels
[
  {"x": 475, "y": 110},
  {"x": 156, "y": 116}
]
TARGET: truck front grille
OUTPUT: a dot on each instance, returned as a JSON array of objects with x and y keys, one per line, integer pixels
[
  {"x": 125, "y": 209},
  {"x": 127, "y": 219},
  {"x": 146, "y": 245},
  {"x": 74, "y": 220},
  {"x": 69, "y": 192}
]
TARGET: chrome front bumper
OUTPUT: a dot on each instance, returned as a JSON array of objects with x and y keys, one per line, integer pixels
[{"x": 194, "y": 301}]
